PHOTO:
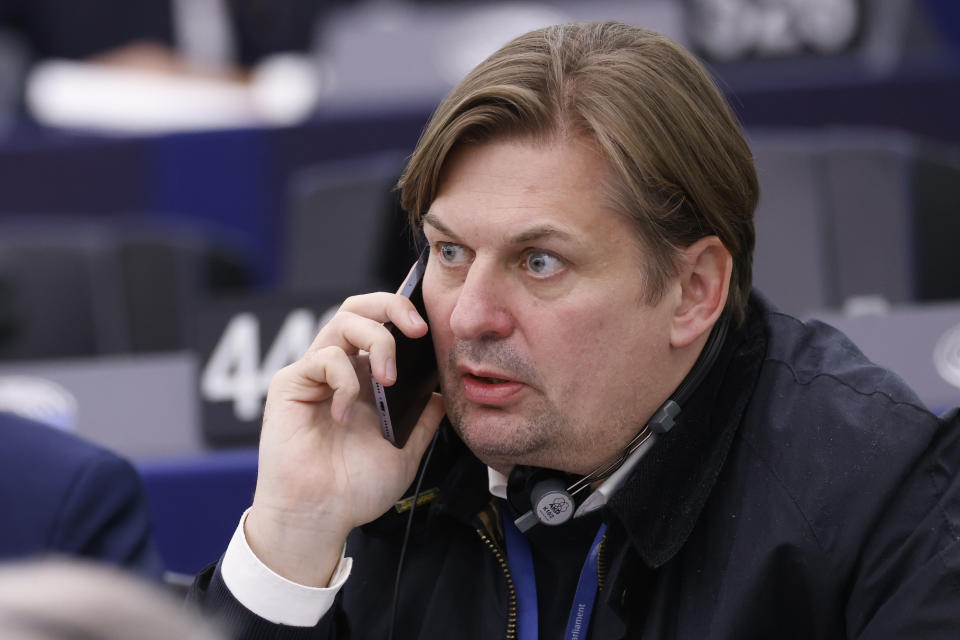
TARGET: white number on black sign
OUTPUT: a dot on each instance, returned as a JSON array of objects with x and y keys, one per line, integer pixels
[{"x": 235, "y": 372}]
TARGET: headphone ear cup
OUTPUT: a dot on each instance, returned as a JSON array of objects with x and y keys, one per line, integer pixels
[
  {"x": 542, "y": 491},
  {"x": 551, "y": 502}
]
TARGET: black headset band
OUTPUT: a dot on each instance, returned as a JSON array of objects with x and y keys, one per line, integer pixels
[{"x": 705, "y": 361}]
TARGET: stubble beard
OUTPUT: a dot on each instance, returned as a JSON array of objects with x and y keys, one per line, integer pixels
[{"x": 531, "y": 433}]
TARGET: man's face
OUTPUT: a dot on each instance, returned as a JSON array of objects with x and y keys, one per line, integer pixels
[{"x": 548, "y": 354}]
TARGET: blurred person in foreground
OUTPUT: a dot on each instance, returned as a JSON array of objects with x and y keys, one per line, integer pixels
[
  {"x": 64, "y": 600},
  {"x": 588, "y": 201},
  {"x": 60, "y": 494}
]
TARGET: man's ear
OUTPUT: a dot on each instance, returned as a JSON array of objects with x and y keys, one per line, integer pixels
[{"x": 704, "y": 281}]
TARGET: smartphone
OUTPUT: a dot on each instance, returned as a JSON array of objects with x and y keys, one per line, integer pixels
[{"x": 401, "y": 404}]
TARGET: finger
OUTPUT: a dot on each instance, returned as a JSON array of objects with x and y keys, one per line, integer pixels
[
  {"x": 374, "y": 309},
  {"x": 350, "y": 332},
  {"x": 353, "y": 333},
  {"x": 426, "y": 426},
  {"x": 335, "y": 368},
  {"x": 320, "y": 374},
  {"x": 384, "y": 307}
]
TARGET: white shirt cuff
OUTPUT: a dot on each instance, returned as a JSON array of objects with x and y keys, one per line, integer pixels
[{"x": 270, "y": 595}]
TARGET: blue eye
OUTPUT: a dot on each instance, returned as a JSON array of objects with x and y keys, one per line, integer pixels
[
  {"x": 543, "y": 264},
  {"x": 451, "y": 253}
]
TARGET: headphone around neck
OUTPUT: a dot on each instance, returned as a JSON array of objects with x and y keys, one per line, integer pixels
[{"x": 551, "y": 497}]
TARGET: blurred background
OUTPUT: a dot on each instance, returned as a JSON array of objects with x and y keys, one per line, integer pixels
[{"x": 189, "y": 187}]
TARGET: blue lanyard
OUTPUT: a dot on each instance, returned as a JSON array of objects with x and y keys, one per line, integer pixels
[{"x": 521, "y": 567}]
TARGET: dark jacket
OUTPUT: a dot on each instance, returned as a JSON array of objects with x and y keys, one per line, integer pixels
[
  {"x": 62, "y": 495},
  {"x": 804, "y": 493}
]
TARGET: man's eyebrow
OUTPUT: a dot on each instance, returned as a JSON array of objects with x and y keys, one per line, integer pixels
[
  {"x": 529, "y": 235},
  {"x": 540, "y": 232},
  {"x": 432, "y": 220}
]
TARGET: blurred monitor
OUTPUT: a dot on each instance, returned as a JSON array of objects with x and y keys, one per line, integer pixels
[
  {"x": 845, "y": 214},
  {"x": 79, "y": 287},
  {"x": 345, "y": 230}
]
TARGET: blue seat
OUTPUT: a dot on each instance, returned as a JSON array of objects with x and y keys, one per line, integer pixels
[{"x": 196, "y": 503}]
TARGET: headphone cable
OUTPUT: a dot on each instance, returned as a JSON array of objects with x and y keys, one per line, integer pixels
[{"x": 406, "y": 534}]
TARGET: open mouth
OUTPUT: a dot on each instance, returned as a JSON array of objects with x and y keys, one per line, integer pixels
[{"x": 489, "y": 380}]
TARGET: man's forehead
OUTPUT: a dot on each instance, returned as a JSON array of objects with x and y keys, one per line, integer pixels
[
  {"x": 524, "y": 165},
  {"x": 513, "y": 191}
]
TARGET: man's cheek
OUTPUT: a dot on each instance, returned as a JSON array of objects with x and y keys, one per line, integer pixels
[
  {"x": 441, "y": 342},
  {"x": 582, "y": 337}
]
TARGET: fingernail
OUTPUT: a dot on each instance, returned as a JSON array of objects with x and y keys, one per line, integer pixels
[
  {"x": 390, "y": 370},
  {"x": 346, "y": 414},
  {"x": 415, "y": 318}
]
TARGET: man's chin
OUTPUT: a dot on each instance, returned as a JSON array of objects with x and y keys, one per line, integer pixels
[{"x": 499, "y": 440}]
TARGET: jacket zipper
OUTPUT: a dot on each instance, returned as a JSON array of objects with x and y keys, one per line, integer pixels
[
  {"x": 602, "y": 567},
  {"x": 511, "y": 590}
]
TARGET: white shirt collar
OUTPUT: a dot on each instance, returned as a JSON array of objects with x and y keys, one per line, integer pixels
[{"x": 497, "y": 482}]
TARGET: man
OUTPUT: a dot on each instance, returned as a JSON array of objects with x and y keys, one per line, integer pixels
[
  {"x": 61, "y": 495},
  {"x": 587, "y": 198}
]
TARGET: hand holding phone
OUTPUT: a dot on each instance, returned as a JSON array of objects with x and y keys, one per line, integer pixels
[
  {"x": 400, "y": 405},
  {"x": 322, "y": 450}
]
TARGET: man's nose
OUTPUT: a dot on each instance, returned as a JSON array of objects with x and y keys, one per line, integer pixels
[{"x": 480, "y": 310}]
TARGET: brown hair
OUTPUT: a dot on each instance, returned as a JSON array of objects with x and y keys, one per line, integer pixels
[{"x": 682, "y": 169}]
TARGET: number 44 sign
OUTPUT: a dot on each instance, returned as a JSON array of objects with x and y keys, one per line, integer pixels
[{"x": 235, "y": 375}]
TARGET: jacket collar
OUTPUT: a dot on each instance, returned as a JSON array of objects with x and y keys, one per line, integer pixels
[{"x": 660, "y": 503}]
